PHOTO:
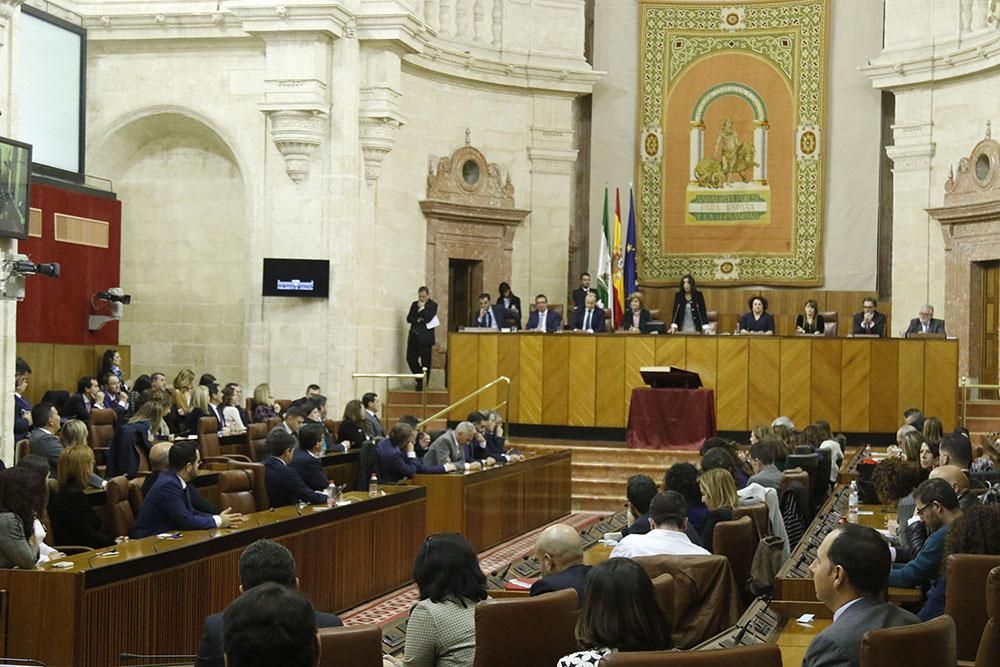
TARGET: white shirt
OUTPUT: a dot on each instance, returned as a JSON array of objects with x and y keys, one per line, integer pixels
[
  {"x": 542, "y": 317},
  {"x": 657, "y": 542},
  {"x": 215, "y": 517},
  {"x": 840, "y": 612}
]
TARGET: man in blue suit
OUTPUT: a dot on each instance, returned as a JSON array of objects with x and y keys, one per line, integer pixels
[
  {"x": 284, "y": 485},
  {"x": 262, "y": 562},
  {"x": 589, "y": 317},
  {"x": 543, "y": 319},
  {"x": 559, "y": 551},
  {"x": 391, "y": 462},
  {"x": 937, "y": 506},
  {"x": 490, "y": 315},
  {"x": 306, "y": 457},
  {"x": 168, "y": 507}
]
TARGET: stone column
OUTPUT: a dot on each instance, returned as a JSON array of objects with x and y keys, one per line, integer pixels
[
  {"x": 760, "y": 149},
  {"x": 697, "y": 146}
]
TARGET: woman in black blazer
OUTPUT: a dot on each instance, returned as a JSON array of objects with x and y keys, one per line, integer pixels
[
  {"x": 511, "y": 302},
  {"x": 688, "y": 303},
  {"x": 636, "y": 318},
  {"x": 758, "y": 320},
  {"x": 354, "y": 428},
  {"x": 74, "y": 521},
  {"x": 810, "y": 321}
]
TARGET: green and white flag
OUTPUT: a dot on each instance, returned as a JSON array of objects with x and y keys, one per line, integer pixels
[{"x": 604, "y": 267}]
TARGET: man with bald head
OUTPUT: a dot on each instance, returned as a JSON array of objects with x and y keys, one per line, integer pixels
[
  {"x": 158, "y": 461},
  {"x": 958, "y": 481},
  {"x": 559, "y": 551}
]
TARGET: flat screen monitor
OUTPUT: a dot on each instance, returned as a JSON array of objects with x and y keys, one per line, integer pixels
[
  {"x": 15, "y": 188},
  {"x": 297, "y": 277}
]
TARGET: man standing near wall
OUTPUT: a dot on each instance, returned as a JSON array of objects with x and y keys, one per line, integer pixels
[{"x": 423, "y": 320}]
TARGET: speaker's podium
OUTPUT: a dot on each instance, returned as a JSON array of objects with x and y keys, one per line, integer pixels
[{"x": 673, "y": 412}]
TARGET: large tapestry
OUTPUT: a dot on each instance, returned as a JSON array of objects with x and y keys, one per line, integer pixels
[{"x": 731, "y": 115}]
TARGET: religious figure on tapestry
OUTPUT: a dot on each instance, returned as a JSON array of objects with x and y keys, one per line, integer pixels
[{"x": 731, "y": 158}]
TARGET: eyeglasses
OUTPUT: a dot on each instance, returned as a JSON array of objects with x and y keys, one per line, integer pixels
[{"x": 920, "y": 510}]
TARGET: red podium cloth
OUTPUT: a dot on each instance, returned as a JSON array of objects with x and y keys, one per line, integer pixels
[{"x": 670, "y": 418}]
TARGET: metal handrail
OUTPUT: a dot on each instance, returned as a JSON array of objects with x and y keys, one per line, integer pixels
[
  {"x": 964, "y": 385},
  {"x": 422, "y": 376},
  {"x": 477, "y": 392}
]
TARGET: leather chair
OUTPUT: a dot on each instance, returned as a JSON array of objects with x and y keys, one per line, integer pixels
[
  {"x": 737, "y": 541},
  {"x": 257, "y": 436},
  {"x": 810, "y": 464},
  {"x": 759, "y": 514},
  {"x": 121, "y": 518},
  {"x": 989, "y": 645},
  {"x": 354, "y": 645},
  {"x": 101, "y": 430},
  {"x": 755, "y": 655},
  {"x": 283, "y": 403},
  {"x": 663, "y": 586},
  {"x": 829, "y": 323},
  {"x": 135, "y": 496},
  {"x": 930, "y": 643},
  {"x": 236, "y": 491},
  {"x": 713, "y": 322},
  {"x": 22, "y": 448},
  {"x": 966, "y": 599},
  {"x": 543, "y": 625},
  {"x": 261, "y": 500},
  {"x": 799, "y": 476},
  {"x": 208, "y": 443},
  {"x": 273, "y": 421},
  {"x": 333, "y": 426}
]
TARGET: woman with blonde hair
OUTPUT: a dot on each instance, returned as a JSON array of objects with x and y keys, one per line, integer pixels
[
  {"x": 74, "y": 432},
  {"x": 73, "y": 519},
  {"x": 183, "y": 384},
  {"x": 718, "y": 490},
  {"x": 199, "y": 408},
  {"x": 265, "y": 406}
]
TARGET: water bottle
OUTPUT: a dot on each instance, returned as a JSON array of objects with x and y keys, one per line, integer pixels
[
  {"x": 868, "y": 452},
  {"x": 852, "y": 503},
  {"x": 373, "y": 486}
]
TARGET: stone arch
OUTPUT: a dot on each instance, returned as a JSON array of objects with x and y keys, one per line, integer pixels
[{"x": 760, "y": 123}]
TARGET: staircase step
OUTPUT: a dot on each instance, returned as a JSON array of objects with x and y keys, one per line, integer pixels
[
  {"x": 414, "y": 397},
  {"x": 594, "y": 504}
]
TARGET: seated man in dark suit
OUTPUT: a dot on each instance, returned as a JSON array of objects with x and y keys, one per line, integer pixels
[
  {"x": 372, "y": 404},
  {"x": 765, "y": 472},
  {"x": 850, "y": 571},
  {"x": 82, "y": 402},
  {"x": 158, "y": 461},
  {"x": 559, "y": 551},
  {"x": 869, "y": 322},
  {"x": 43, "y": 440},
  {"x": 956, "y": 450},
  {"x": 451, "y": 446},
  {"x": 306, "y": 457},
  {"x": 639, "y": 491},
  {"x": 925, "y": 323},
  {"x": 168, "y": 506},
  {"x": 314, "y": 413},
  {"x": 22, "y": 408},
  {"x": 292, "y": 421},
  {"x": 284, "y": 485},
  {"x": 392, "y": 464},
  {"x": 311, "y": 390},
  {"x": 589, "y": 317},
  {"x": 114, "y": 398},
  {"x": 489, "y": 316},
  {"x": 543, "y": 319},
  {"x": 262, "y": 562},
  {"x": 937, "y": 506}
]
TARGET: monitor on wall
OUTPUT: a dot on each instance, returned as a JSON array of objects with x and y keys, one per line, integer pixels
[
  {"x": 52, "y": 93},
  {"x": 297, "y": 277},
  {"x": 15, "y": 188}
]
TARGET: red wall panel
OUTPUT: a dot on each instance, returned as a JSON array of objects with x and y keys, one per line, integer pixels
[{"x": 55, "y": 310}]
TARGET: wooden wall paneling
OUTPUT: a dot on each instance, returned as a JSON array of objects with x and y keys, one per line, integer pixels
[
  {"x": 884, "y": 386},
  {"x": 487, "y": 372},
  {"x": 582, "y": 379},
  {"x": 530, "y": 383},
  {"x": 609, "y": 407},
  {"x": 52, "y": 601},
  {"x": 733, "y": 384},
  {"x": 941, "y": 381},
  {"x": 703, "y": 358},
  {"x": 39, "y": 357},
  {"x": 796, "y": 380},
  {"x": 671, "y": 351},
  {"x": 855, "y": 385},
  {"x": 639, "y": 352},
  {"x": 71, "y": 362},
  {"x": 445, "y": 502},
  {"x": 555, "y": 380},
  {"x": 508, "y": 361},
  {"x": 463, "y": 371},
  {"x": 825, "y": 394},
  {"x": 910, "y": 374},
  {"x": 764, "y": 380}
]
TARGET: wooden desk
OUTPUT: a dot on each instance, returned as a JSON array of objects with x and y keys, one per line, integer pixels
[
  {"x": 496, "y": 504},
  {"x": 577, "y": 379},
  {"x": 852, "y": 457},
  {"x": 153, "y": 596}
]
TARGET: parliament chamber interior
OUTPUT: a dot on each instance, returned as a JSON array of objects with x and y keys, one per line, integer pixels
[{"x": 470, "y": 333}]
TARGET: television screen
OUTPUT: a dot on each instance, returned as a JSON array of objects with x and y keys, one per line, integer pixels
[
  {"x": 297, "y": 277},
  {"x": 15, "y": 188}
]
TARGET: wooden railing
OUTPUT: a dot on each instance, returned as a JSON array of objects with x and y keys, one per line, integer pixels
[{"x": 963, "y": 395}]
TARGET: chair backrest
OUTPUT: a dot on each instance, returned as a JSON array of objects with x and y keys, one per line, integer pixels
[
  {"x": 965, "y": 598},
  {"x": 810, "y": 464},
  {"x": 274, "y": 421},
  {"x": 713, "y": 321},
  {"x": 101, "y": 428},
  {"x": 930, "y": 643},
  {"x": 261, "y": 500},
  {"x": 802, "y": 477},
  {"x": 755, "y": 655},
  {"x": 121, "y": 518},
  {"x": 663, "y": 586},
  {"x": 759, "y": 514},
  {"x": 236, "y": 491},
  {"x": 208, "y": 437},
  {"x": 283, "y": 403},
  {"x": 366, "y": 465},
  {"x": 989, "y": 645},
  {"x": 544, "y": 627},
  {"x": 257, "y": 436},
  {"x": 829, "y": 323},
  {"x": 354, "y": 645},
  {"x": 23, "y": 448},
  {"x": 135, "y": 496},
  {"x": 737, "y": 540}
]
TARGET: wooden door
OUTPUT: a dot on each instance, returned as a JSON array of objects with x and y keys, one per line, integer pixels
[{"x": 989, "y": 321}]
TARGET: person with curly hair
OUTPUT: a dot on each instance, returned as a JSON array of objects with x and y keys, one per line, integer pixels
[
  {"x": 977, "y": 531},
  {"x": 895, "y": 481}
]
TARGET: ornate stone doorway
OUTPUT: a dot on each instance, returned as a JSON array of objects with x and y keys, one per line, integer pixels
[{"x": 470, "y": 217}]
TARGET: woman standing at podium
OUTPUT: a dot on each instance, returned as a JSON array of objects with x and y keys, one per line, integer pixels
[
  {"x": 758, "y": 320},
  {"x": 688, "y": 314},
  {"x": 810, "y": 322},
  {"x": 636, "y": 318}
]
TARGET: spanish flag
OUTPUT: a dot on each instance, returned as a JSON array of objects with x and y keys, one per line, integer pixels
[{"x": 618, "y": 263}]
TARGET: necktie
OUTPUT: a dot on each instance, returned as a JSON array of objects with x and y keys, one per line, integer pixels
[
  {"x": 925, "y": 328},
  {"x": 489, "y": 320},
  {"x": 586, "y": 324}
]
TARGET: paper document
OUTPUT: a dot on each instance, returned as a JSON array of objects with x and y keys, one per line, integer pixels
[{"x": 434, "y": 323}]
